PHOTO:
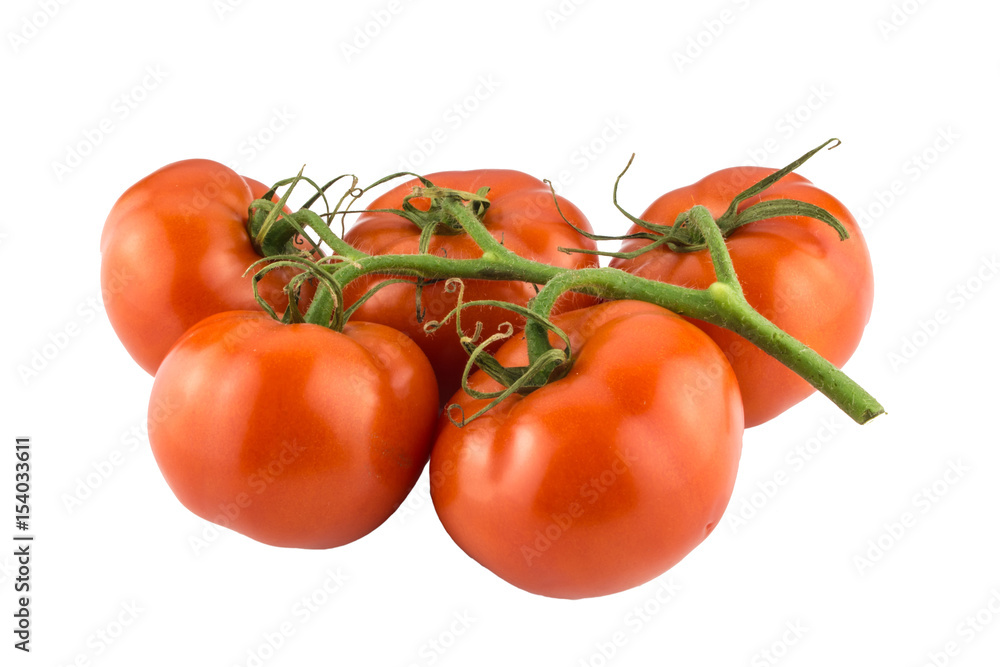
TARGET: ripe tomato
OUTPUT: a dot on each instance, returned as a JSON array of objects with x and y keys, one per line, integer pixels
[
  {"x": 606, "y": 478},
  {"x": 794, "y": 270},
  {"x": 522, "y": 215},
  {"x": 292, "y": 434},
  {"x": 174, "y": 250}
]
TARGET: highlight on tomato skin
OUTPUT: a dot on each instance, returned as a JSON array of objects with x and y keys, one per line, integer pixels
[
  {"x": 292, "y": 434},
  {"x": 174, "y": 250},
  {"x": 794, "y": 270},
  {"x": 522, "y": 213},
  {"x": 606, "y": 478}
]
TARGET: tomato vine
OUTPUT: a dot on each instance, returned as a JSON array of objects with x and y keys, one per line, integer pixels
[{"x": 722, "y": 303}]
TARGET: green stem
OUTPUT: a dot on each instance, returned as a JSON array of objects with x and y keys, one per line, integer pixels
[
  {"x": 725, "y": 273},
  {"x": 474, "y": 227},
  {"x": 734, "y": 313},
  {"x": 337, "y": 245},
  {"x": 722, "y": 304},
  {"x": 433, "y": 267}
]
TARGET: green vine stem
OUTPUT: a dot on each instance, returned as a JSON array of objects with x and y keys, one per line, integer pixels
[{"x": 722, "y": 303}]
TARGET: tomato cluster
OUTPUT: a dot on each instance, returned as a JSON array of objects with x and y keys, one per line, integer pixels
[{"x": 594, "y": 481}]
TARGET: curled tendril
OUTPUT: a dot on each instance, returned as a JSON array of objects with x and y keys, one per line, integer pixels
[
  {"x": 451, "y": 286},
  {"x": 514, "y": 380},
  {"x": 450, "y": 409},
  {"x": 504, "y": 331}
]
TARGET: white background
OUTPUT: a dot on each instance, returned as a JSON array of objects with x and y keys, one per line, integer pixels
[{"x": 909, "y": 87}]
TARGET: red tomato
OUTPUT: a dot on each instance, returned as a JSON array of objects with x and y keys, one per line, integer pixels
[
  {"x": 294, "y": 435},
  {"x": 606, "y": 478},
  {"x": 522, "y": 214},
  {"x": 174, "y": 250},
  {"x": 794, "y": 270}
]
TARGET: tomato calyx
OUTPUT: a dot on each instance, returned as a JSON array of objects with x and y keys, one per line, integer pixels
[
  {"x": 274, "y": 231},
  {"x": 271, "y": 227},
  {"x": 733, "y": 218},
  {"x": 433, "y": 215},
  {"x": 437, "y": 219},
  {"x": 684, "y": 236},
  {"x": 282, "y": 238}
]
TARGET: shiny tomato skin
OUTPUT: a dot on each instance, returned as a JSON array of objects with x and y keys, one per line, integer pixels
[
  {"x": 294, "y": 435},
  {"x": 794, "y": 270},
  {"x": 522, "y": 215},
  {"x": 606, "y": 478},
  {"x": 174, "y": 250}
]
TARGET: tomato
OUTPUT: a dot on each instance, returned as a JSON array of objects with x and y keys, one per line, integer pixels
[
  {"x": 794, "y": 270},
  {"x": 174, "y": 250},
  {"x": 603, "y": 479},
  {"x": 292, "y": 434},
  {"x": 521, "y": 214}
]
